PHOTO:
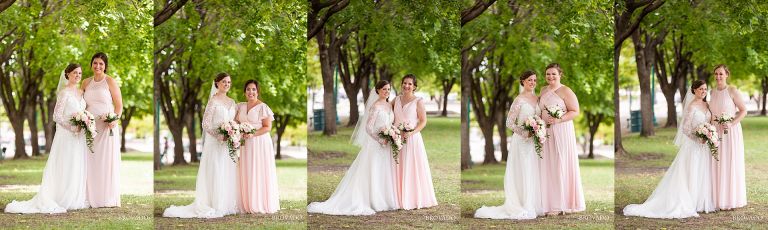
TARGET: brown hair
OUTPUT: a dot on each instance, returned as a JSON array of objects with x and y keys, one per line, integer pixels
[
  {"x": 71, "y": 67},
  {"x": 724, "y": 68},
  {"x": 380, "y": 85},
  {"x": 103, "y": 57},
  {"x": 254, "y": 82},
  {"x": 412, "y": 77},
  {"x": 556, "y": 66},
  {"x": 526, "y": 75},
  {"x": 218, "y": 78},
  {"x": 696, "y": 84}
]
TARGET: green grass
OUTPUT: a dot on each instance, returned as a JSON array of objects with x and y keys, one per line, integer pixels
[
  {"x": 331, "y": 156},
  {"x": 135, "y": 212},
  {"x": 484, "y": 185},
  {"x": 640, "y": 171},
  {"x": 175, "y": 185}
]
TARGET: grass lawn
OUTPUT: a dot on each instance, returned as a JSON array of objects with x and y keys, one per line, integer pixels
[
  {"x": 330, "y": 157},
  {"x": 484, "y": 185},
  {"x": 640, "y": 171},
  {"x": 20, "y": 179},
  {"x": 175, "y": 185}
]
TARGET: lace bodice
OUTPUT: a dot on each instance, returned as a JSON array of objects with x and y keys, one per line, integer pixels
[
  {"x": 381, "y": 115},
  {"x": 693, "y": 117},
  {"x": 68, "y": 102},
  {"x": 518, "y": 112},
  {"x": 216, "y": 112}
]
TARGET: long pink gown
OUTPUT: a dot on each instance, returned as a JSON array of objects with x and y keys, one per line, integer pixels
[
  {"x": 256, "y": 172},
  {"x": 413, "y": 179},
  {"x": 103, "y": 165},
  {"x": 559, "y": 166},
  {"x": 730, "y": 190}
]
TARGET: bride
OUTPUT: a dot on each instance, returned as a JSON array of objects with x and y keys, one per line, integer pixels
[
  {"x": 687, "y": 185},
  {"x": 521, "y": 184},
  {"x": 368, "y": 185},
  {"x": 216, "y": 190},
  {"x": 63, "y": 185}
]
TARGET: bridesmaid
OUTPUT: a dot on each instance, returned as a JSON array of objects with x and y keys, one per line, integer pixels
[
  {"x": 559, "y": 168},
  {"x": 257, "y": 174},
  {"x": 730, "y": 189},
  {"x": 413, "y": 180},
  {"x": 102, "y": 96}
]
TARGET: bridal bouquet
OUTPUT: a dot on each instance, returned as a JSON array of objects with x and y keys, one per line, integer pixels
[
  {"x": 231, "y": 132},
  {"x": 405, "y": 127},
  {"x": 392, "y": 135},
  {"x": 535, "y": 126},
  {"x": 707, "y": 133},
  {"x": 723, "y": 119},
  {"x": 555, "y": 111},
  {"x": 108, "y": 118},
  {"x": 85, "y": 121},
  {"x": 246, "y": 128}
]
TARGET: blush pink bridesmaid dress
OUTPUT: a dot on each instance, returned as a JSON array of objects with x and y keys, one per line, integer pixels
[
  {"x": 413, "y": 179},
  {"x": 256, "y": 172},
  {"x": 559, "y": 167},
  {"x": 730, "y": 190},
  {"x": 103, "y": 165}
]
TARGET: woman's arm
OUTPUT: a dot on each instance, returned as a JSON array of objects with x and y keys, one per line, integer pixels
[
  {"x": 571, "y": 104},
  {"x": 736, "y": 97}
]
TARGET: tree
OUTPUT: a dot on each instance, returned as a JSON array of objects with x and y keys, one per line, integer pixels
[{"x": 627, "y": 15}]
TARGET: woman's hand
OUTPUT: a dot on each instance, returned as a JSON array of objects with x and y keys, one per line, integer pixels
[
  {"x": 382, "y": 141},
  {"x": 112, "y": 124},
  {"x": 552, "y": 121}
]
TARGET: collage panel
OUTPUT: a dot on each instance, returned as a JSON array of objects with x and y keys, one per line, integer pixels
[
  {"x": 691, "y": 70},
  {"x": 230, "y": 83},
  {"x": 383, "y": 76},
  {"x": 539, "y": 134},
  {"x": 385, "y": 114},
  {"x": 67, "y": 160}
]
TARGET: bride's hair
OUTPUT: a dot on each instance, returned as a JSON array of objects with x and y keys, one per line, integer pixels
[
  {"x": 71, "y": 67},
  {"x": 219, "y": 77},
  {"x": 380, "y": 85},
  {"x": 525, "y": 75},
  {"x": 696, "y": 84},
  {"x": 413, "y": 78},
  {"x": 103, "y": 57}
]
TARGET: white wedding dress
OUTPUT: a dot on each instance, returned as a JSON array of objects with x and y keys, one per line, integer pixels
[
  {"x": 368, "y": 186},
  {"x": 63, "y": 185},
  {"x": 686, "y": 187},
  {"x": 216, "y": 189},
  {"x": 522, "y": 197}
]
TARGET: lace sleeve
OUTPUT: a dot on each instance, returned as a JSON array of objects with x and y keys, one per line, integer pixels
[
  {"x": 58, "y": 113},
  {"x": 208, "y": 125},
  {"x": 370, "y": 127},
  {"x": 688, "y": 125},
  {"x": 512, "y": 121}
]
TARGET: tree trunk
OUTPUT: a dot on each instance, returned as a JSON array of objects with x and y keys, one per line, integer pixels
[
  {"x": 125, "y": 120},
  {"x": 178, "y": 148},
  {"x": 192, "y": 135},
  {"x": 282, "y": 122},
  {"x": 466, "y": 87},
  {"x": 487, "y": 130},
  {"x": 32, "y": 121},
  {"x": 593, "y": 121},
  {"x": 501, "y": 125},
  {"x": 764, "y": 93},
  {"x": 18, "y": 130},
  {"x": 49, "y": 126},
  {"x": 645, "y": 46},
  {"x": 447, "y": 86}
]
